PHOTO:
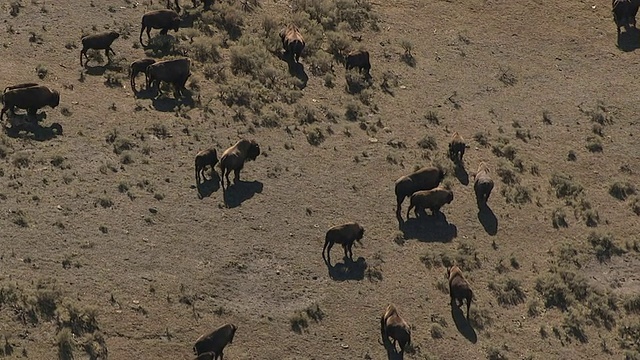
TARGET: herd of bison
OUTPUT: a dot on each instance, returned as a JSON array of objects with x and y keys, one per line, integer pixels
[{"x": 422, "y": 187}]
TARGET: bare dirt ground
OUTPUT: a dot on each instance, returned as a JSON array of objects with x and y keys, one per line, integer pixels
[{"x": 107, "y": 248}]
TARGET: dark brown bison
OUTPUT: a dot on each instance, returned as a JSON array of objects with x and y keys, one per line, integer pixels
[
  {"x": 393, "y": 326},
  {"x": 433, "y": 200},
  {"x": 234, "y": 158},
  {"x": 422, "y": 179},
  {"x": 137, "y": 67},
  {"x": 624, "y": 13},
  {"x": 359, "y": 59},
  {"x": 459, "y": 288},
  {"x": 30, "y": 98},
  {"x": 346, "y": 235},
  {"x": 215, "y": 341},
  {"x": 483, "y": 184},
  {"x": 204, "y": 158},
  {"x": 175, "y": 72},
  {"x": 457, "y": 147},
  {"x": 100, "y": 41},
  {"x": 159, "y": 19},
  {"x": 292, "y": 42}
]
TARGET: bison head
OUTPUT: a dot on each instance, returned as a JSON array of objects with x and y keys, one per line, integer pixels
[
  {"x": 450, "y": 197},
  {"x": 360, "y": 234},
  {"x": 113, "y": 35},
  {"x": 233, "y": 333},
  {"x": 54, "y": 100},
  {"x": 254, "y": 150}
]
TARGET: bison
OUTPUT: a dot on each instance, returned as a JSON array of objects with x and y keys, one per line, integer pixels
[
  {"x": 215, "y": 341},
  {"x": 359, "y": 59},
  {"x": 137, "y": 67},
  {"x": 159, "y": 19},
  {"x": 422, "y": 179},
  {"x": 100, "y": 41},
  {"x": 292, "y": 42},
  {"x": 234, "y": 158},
  {"x": 204, "y": 158},
  {"x": 433, "y": 200},
  {"x": 483, "y": 184},
  {"x": 175, "y": 72},
  {"x": 624, "y": 13},
  {"x": 30, "y": 98},
  {"x": 20, "y": 86},
  {"x": 393, "y": 326},
  {"x": 457, "y": 147},
  {"x": 459, "y": 288},
  {"x": 346, "y": 235}
]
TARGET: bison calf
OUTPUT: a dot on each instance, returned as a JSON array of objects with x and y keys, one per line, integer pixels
[
  {"x": 292, "y": 42},
  {"x": 30, "y": 98},
  {"x": 137, "y": 67},
  {"x": 393, "y": 326},
  {"x": 482, "y": 184},
  {"x": 433, "y": 200},
  {"x": 204, "y": 158},
  {"x": 215, "y": 341},
  {"x": 423, "y": 179},
  {"x": 346, "y": 235},
  {"x": 159, "y": 19},
  {"x": 359, "y": 59},
  {"x": 457, "y": 147},
  {"x": 101, "y": 41},
  {"x": 234, "y": 158},
  {"x": 459, "y": 288}
]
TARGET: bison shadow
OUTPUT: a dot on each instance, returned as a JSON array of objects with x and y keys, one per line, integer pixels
[
  {"x": 392, "y": 352},
  {"x": 462, "y": 324},
  {"x": 208, "y": 186},
  {"x": 164, "y": 103},
  {"x": 347, "y": 270},
  {"x": 461, "y": 173},
  {"x": 30, "y": 129},
  {"x": 297, "y": 70},
  {"x": 240, "y": 191},
  {"x": 99, "y": 70},
  {"x": 488, "y": 219},
  {"x": 427, "y": 228},
  {"x": 629, "y": 40}
]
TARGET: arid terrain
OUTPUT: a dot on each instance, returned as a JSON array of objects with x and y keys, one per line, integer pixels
[{"x": 109, "y": 250}]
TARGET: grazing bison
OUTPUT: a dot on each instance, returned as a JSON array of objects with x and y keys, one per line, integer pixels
[
  {"x": 204, "y": 158},
  {"x": 457, "y": 147},
  {"x": 432, "y": 199},
  {"x": 215, "y": 341},
  {"x": 159, "y": 19},
  {"x": 483, "y": 184},
  {"x": 359, "y": 59},
  {"x": 30, "y": 98},
  {"x": 234, "y": 158},
  {"x": 346, "y": 235},
  {"x": 393, "y": 326},
  {"x": 423, "y": 179},
  {"x": 137, "y": 67},
  {"x": 292, "y": 42},
  {"x": 624, "y": 13},
  {"x": 100, "y": 41},
  {"x": 175, "y": 72},
  {"x": 459, "y": 288},
  {"x": 20, "y": 86}
]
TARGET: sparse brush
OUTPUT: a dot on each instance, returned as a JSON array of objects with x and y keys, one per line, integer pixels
[
  {"x": 622, "y": 190},
  {"x": 432, "y": 118},
  {"x": 508, "y": 292},
  {"x": 437, "y": 332},
  {"x": 298, "y": 323},
  {"x": 565, "y": 187},
  {"x": 594, "y": 144},
  {"x": 604, "y": 246},
  {"x": 428, "y": 143},
  {"x": 482, "y": 138},
  {"x": 559, "y": 218}
]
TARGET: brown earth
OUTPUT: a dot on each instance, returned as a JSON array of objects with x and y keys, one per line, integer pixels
[{"x": 124, "y": 242}]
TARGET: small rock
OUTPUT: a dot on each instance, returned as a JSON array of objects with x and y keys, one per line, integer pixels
[
  {"x": 344, "y": 346},
  {"x": 153, "y": 210},
  {"x": 373, "y": 140}
]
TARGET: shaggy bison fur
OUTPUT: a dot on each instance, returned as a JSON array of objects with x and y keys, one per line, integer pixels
[
  {"x": 459, "y": 288},
  {"x": 346, "y": 235},
  {"x": 433, "y": 200},
  {"x": 483, "y": 184},
  {"x": 215, "y": 341},
  {"x": 423, "y": 179},
  {"x": 457, "y": 147},
  {"x": 292, "y": 42},
  {"x": 234, "y": 158},
  {"x": 393, "y": 326}
]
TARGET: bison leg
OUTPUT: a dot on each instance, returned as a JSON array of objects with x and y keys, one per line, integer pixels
[
  {"x": 83, "y": 52},
  {"x": 329, "y": 246},
  {"x": 164, "y": 31},
  {"x": 236, "y": 176},
  {"x": 4, "y": 110},
  {"x": 148, "y": 34},
  {"x": 141, "y": 32}
]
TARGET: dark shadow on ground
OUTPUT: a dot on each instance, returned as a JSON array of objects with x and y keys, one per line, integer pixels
[
  {"x": 463, "y": 326},
  {"x": 428, "y": 228},
  {"x": 488, "y": 219},
  {"x": 27, "y": 127},
  {"x": 392, "y": 352},
  {"x": 461, "y": 174},
  {"x": 208, "y": 186},
  {"x": 297, "y": 70},
  {"x": 347, "y": 270},
  {"x": 164, "y": 103},
  {"x": 629, "y": 40},
  {"x": 241, "y": 191}
]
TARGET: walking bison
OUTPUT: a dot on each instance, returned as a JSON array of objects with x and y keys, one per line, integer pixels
[
  {"x": 423, "y": 179},
  {"x": 100, "y": 41},
  {"x": 346, "y": 235},
  {"x": 234, "y": 158},
  {"x": 215, "y": 341},
  {"x": 30, "y": 98},
  {"x": 175, "y": 72},
  {"x": 393, "y": 326},
  {"x": 292, "y": 42},
  {"x": 159, "y": 19}
]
